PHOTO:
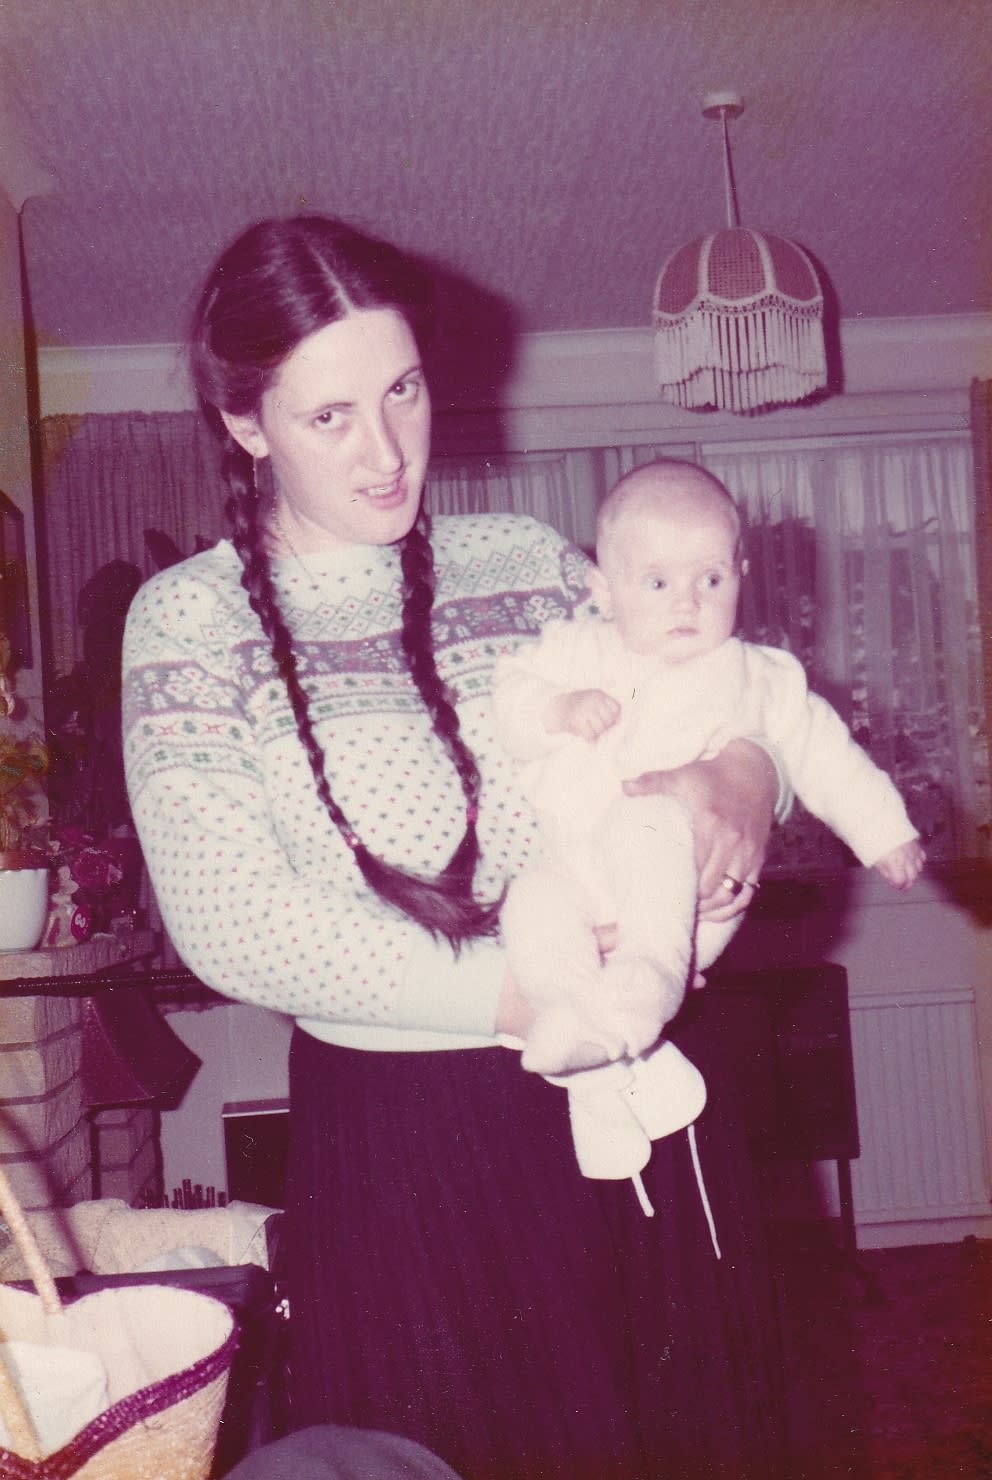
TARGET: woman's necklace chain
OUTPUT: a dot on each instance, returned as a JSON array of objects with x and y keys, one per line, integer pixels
[{"x": 278, "y": 527}]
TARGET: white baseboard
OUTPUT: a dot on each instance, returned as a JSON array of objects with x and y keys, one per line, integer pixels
[{"x": 924, "y": 1231}]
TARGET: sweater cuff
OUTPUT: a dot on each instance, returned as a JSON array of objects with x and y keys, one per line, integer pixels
[
  {"x": 786, "y": 796},
  {"x": 445, "y": 993}
]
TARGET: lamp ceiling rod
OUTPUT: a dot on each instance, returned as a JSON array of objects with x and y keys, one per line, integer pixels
[
  {"x": 729, "y": 189},
  {"x": 724, "y": 105}
]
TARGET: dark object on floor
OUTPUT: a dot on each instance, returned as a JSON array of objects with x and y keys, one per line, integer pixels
[{"x": 330, "y": 1452}]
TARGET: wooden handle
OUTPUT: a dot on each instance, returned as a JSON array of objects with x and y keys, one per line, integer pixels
[
  {"x": 16, "y": 1417},
  {"x": 28, "y": 1247}
]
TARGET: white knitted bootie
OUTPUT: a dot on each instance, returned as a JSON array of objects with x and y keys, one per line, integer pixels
[
  {"x": 609, "y": 1141},
  {"x": 665, "y": 1091}
]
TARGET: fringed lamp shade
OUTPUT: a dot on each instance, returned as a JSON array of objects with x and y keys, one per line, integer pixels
[
  {"x": 738, "y": 314},
  {"x": 738, "y": 320}
]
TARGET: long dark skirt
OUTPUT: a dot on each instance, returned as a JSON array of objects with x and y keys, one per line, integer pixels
[{"x": 453, "y": 1278}]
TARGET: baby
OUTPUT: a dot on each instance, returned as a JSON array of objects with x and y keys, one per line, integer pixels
[{"x": 656, "y": 681}]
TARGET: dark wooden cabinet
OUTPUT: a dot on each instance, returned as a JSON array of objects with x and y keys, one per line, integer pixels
[{"x": 790, "y": 1029}]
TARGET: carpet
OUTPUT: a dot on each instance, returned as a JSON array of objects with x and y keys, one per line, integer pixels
[{"x": 890, "y": 1359}]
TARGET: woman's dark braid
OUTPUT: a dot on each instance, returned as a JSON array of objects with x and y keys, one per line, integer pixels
[
  {"x": 444, "y": 906},
  {"x": 256, "y": 577},
  {"x": 417, "y": 638}
]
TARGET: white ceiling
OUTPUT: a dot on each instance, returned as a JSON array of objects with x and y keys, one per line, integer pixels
[{"x": 553, "y": 153}]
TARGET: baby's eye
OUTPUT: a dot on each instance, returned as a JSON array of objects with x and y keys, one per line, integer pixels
[
  {"x": 656, "y": 583},
  {"x": 713, "y": 579}
]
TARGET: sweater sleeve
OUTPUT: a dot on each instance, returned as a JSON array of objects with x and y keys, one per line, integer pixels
[
  {"x": 313, "y": 945},
  {"x": 525, "y": 683},
  {"x": 830, "y": 772}
]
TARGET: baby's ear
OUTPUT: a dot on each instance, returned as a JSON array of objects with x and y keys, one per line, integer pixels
[{"x": 600, "y": 591}]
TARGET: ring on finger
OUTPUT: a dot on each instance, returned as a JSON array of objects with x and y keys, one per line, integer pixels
[{"x": 736, "y": 886}]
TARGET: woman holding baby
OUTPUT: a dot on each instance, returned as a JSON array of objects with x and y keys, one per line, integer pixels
[{"x": 330, "y": 824}]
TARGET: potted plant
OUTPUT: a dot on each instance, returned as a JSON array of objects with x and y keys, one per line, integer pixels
[{"x": 24, "y": 872}]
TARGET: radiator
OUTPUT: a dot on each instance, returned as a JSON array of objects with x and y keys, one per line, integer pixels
[{"x": 916, "y": 1069}]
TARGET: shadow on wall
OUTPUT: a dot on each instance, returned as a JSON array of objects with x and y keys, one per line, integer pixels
[
  {"x": 86, "y": 780},
  {"x": 968, "y": 887},
  {"x": 793, "y": 922},
  {"x": 474, "y": 348}
]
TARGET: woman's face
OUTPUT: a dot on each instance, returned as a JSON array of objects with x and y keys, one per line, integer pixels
[{"x": 346, "y": 423}]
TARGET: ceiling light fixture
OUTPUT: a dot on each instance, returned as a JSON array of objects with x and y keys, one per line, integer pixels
[{"x": 738, "y": 314}]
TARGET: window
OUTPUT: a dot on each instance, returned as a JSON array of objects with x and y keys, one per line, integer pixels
[{"x": 862, "y": 563}]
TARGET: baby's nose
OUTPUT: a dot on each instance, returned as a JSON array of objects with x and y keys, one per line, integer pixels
[{"x": 686, "y": 598}]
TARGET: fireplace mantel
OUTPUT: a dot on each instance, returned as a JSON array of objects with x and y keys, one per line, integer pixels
[{"x": 84, "y": 958}]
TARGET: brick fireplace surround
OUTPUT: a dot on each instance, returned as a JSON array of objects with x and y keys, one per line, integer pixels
[{"x": 49, "y": 1140}]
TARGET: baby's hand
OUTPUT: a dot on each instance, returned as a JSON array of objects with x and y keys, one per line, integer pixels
[
  {"x": 587, "y": 713},
  {"x": 901, "y": 868}
]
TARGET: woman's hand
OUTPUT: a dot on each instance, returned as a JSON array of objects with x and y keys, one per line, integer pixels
[{"x": 731, "y": 800}]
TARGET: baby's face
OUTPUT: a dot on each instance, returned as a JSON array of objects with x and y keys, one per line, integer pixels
[{"x": 672, "y": 577}]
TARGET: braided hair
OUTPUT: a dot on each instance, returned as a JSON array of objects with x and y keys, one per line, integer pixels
[{"x": 280, "y": 281}]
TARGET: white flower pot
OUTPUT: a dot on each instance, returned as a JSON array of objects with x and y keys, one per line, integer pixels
[{"x": 23, "y": 905}]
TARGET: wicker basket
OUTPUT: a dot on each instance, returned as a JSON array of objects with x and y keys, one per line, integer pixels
[{"x": 167, "y": 1353}]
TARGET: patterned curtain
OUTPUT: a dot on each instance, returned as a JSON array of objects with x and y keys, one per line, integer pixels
[{"x": 862, "y": 562}]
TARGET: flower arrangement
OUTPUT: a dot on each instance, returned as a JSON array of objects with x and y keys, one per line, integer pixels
[
  {"x": 95, "y": 880},
  {"x": 96, "y": 883}
]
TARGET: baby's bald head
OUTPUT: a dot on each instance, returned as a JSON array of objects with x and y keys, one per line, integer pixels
[{"x": 669, "y": 488}]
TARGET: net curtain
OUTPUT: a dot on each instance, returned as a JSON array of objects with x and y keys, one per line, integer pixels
[
  {"x": 862, "y": 563},
  {"x": 981, "y": 431},
  {"x": 108, "y": 480},
  {"x": 862, "y": 551}
]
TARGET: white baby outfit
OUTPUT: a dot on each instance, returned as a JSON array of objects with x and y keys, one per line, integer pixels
[{"x": 607, "y": 857}]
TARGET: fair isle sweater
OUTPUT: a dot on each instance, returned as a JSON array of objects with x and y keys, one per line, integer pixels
[{"x": 259, "y": 892}]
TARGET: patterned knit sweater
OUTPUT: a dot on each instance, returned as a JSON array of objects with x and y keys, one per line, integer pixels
[{"x": 259, "y": 893}]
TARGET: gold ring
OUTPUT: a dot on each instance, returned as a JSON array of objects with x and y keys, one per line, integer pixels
[{"x": 733, "y": 886}]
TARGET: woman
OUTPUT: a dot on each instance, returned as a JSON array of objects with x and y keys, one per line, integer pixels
[{"x": 329, "y": 825}]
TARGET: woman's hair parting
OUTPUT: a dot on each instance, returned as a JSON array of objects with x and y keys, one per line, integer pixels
[{"x": 280, "y": 281}]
